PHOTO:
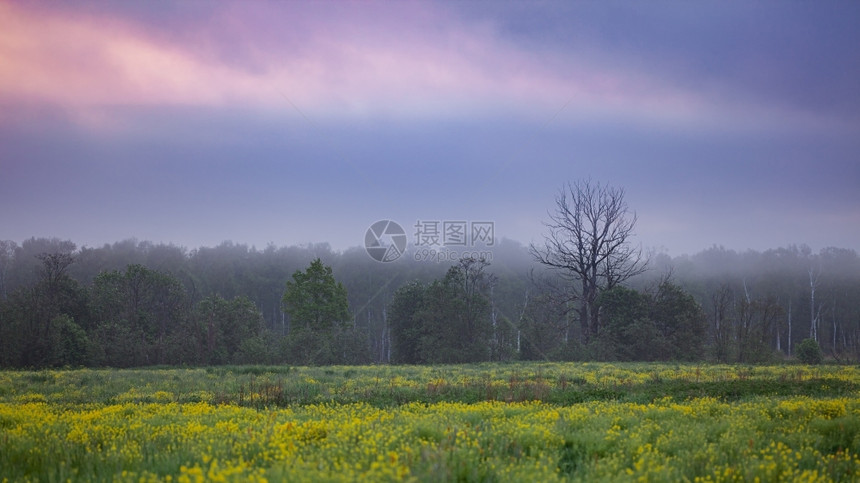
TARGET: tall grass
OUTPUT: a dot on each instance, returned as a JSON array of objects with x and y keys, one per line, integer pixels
[
  {"x": 382, "y": 386},
  {"x": 483, "y": 422}
]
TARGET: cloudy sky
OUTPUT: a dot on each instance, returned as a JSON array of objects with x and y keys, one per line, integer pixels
[{"x": 732, "y": 123}]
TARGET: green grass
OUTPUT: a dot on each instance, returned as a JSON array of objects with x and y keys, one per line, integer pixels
[
  {"x": 384, "y": 386},
  {"x": 480, "y": 422}
]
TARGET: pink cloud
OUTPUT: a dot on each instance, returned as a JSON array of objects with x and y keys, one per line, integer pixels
[
  {"x": 360, "y": 60},
  {"x": 89, "y": 61}
]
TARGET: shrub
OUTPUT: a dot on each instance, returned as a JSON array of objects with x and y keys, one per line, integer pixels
[{"x": 808, "y": 352}]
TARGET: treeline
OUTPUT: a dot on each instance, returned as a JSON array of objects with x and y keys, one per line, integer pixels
[
  {"x": 134, "y": 317},
  {"x": 138, "y": 303},
  {"x": 761, "y": 304},
  {"x": 748, "y": 307}
]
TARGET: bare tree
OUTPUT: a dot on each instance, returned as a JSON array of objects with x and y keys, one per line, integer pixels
[
  {"x": 588, "y": 240},
  {"x": 54, "y": 265},
  {"x": 789, "y": 327},
  {"x": 722, "y": 323},
  {"x": 7, "y": 258},
  {"x": 476, "y": 287},
  {"x": 814, "y": 316},
  {"x": 545, "y": 321}
]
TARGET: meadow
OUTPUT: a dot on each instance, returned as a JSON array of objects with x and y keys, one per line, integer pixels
[{"x": 481, "y": 422}]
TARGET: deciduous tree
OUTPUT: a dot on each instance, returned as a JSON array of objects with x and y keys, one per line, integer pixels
[
  {"x": 588, "y": 240},
  {"x": 319, "y": 313}
]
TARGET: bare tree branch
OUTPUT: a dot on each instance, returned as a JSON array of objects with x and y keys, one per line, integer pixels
[{"x": 588, "y": 240}]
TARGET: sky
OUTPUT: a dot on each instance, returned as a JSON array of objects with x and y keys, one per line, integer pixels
[{"x": 725, "y": 123}]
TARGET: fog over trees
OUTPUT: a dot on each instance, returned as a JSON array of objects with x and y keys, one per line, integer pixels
[
  {"x": 134, "y": 303},
  {"x": 585, "y": 293}
]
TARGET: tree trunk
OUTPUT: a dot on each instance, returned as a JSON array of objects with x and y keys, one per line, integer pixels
[{"x": 789, "y": 327}]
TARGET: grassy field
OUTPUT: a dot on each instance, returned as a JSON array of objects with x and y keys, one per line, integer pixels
[{"x": 486, "y": 422}]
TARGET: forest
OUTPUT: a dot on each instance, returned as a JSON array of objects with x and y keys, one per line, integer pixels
[{"x": 137, "y": 303}]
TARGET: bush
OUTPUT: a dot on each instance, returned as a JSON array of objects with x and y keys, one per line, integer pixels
[
  {"x": 808, "y": 352},
  {"x": 252, "y": 350}
]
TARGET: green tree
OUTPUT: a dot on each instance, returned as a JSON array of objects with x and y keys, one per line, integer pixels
[
  {"x": 474, "y": 286},
  {"x": 448, "y": 321},
  {"x": 141, "y": 316},
  {"x": 71, "y": 344},
  {"x": 228, "y": 331},
  {"x": 455, "y": 318},
  {"x": 438, "y": 320},
  {"x": 627, "y": 331},
  {"x": 319, "y": 313},
  {"x": 681, "y": 322},
  {"x": 406, "y": 330},
  {"x": 43, "y": 324},
  {"x": 314, "y": 300},
  {"x": 668, "y": 325}
]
